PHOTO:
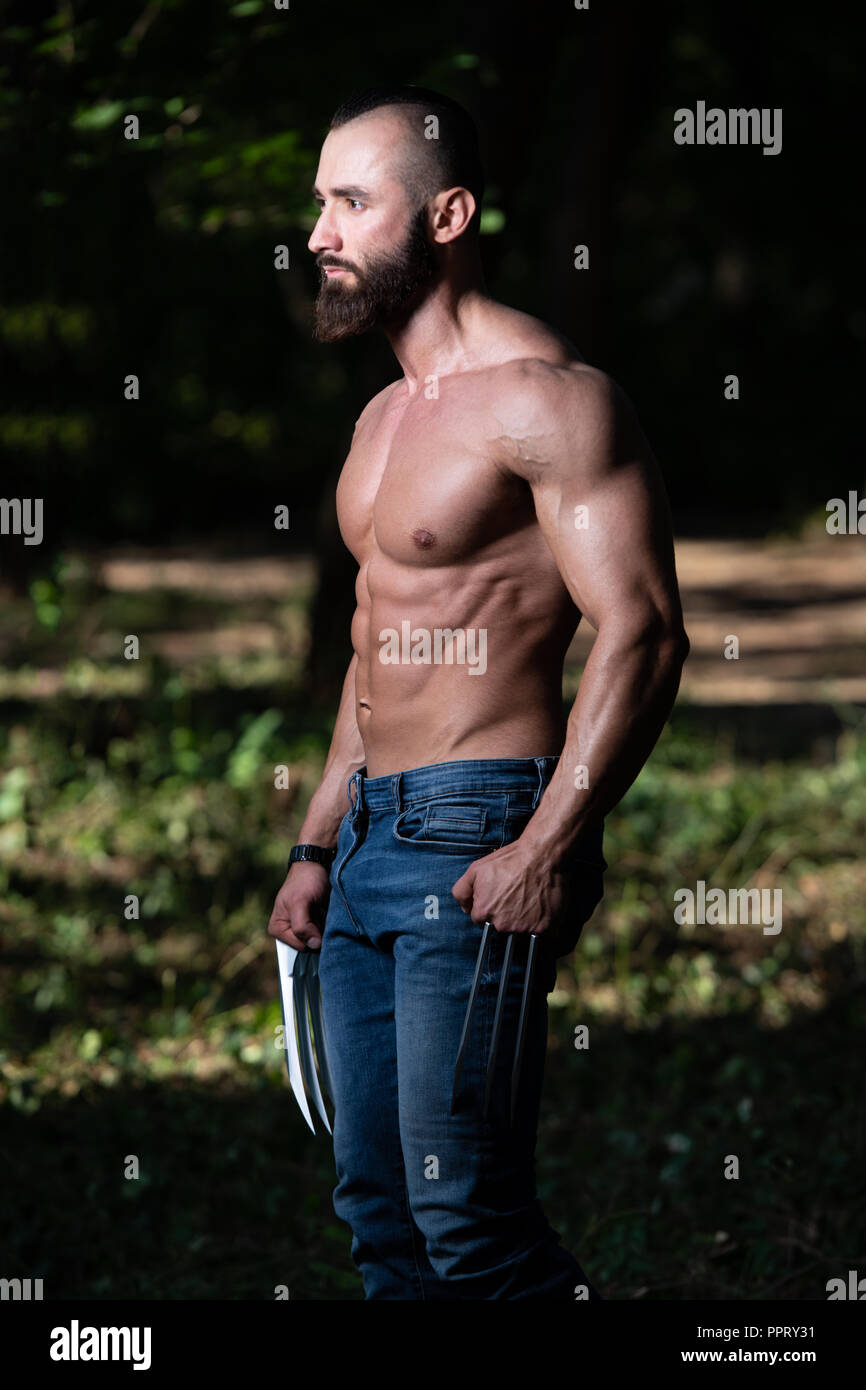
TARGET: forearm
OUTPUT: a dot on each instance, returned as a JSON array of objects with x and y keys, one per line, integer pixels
[
  {"x": 627, "y": 690},
  {"x": 329, "y": 803}
]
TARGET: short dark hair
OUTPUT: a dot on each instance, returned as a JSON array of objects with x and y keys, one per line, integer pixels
[{"x": 430, "y": 165}]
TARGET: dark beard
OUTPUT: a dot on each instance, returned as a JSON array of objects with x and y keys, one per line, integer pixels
[{"x": 385, "y": 293}]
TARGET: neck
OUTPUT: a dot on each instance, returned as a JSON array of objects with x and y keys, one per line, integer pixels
[{"x": 439, "y": 336}]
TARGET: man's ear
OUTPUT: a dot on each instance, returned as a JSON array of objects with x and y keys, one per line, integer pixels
[{"x": 453, "y": 210}]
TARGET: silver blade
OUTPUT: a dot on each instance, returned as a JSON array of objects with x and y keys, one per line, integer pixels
[
  {"x": 470, "y": 1009},
  {"x": 497, "y": 1021},
  {"x": 525, "y": 1002},
  {"x": 286, "y": 957},
  {"x": 306, "y": 976},
  {"x": 314, "y": 995}
]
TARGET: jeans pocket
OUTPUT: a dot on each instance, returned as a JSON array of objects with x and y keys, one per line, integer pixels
[{"x": 456, "y": 824}]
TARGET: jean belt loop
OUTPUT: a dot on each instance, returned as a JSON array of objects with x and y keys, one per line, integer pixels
[
  {"x": 355, "y": 781},
  {"x": 542, "y": 780},
  {"x": 397, "y": 789},
  {"x": 360, "y": 804}
]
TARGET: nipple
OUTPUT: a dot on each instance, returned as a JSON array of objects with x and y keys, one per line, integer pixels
[{"x": 423, "y": 538}]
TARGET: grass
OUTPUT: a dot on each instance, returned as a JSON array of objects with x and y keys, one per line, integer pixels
[{"x": 708, "y": 1143}]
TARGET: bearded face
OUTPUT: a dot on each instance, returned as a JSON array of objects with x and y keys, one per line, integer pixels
[{"x": 383, "y": 294}]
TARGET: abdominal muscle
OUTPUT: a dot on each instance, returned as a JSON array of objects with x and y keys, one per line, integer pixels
[{"x": 498, "y": 696}]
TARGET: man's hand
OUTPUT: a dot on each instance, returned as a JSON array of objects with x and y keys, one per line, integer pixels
[
  {"x": 300, "y": 906},
  {"x": 515, "y": 890}
]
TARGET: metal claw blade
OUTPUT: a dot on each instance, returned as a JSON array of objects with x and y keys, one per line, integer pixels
[
  {"x": 286, "y": 958},
  {"x": 497, "y": 1022},
  {"x": 306, "y": 975},
  {"x": 521, "y": 1023},
  {"x": 470, "y": 1007},
  {"x": 314, "y": 997}
]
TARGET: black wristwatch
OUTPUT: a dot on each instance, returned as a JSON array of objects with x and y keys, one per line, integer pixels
[{"x": 316, "y": 854}]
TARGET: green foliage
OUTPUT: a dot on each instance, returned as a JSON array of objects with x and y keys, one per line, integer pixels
[
  {"x": 156, "y": 255},
  {"x": 704, "y": 1041},
  {"x": 153, "y": 1033}
]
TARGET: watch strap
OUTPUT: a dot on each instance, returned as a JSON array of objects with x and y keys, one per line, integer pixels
[{"x": 314, "y": 854}]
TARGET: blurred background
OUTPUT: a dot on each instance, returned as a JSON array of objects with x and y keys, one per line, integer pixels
[{"x": 155, "y": 1036}]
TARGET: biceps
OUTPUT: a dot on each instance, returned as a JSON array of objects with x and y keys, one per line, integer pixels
[{"x": 613, "y": 544}]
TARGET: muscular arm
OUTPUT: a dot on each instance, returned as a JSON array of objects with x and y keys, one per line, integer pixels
[
  {"x": 572, "y": 435},
  {"x": 298, "y": 915},
  {"x": 329, "y": 802},
  {"x": 575, "y": 439}
]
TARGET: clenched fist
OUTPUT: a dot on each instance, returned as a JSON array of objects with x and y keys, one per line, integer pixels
[{"x": 300, "y": 906}]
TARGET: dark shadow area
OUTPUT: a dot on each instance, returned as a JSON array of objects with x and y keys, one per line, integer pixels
[{"x": 234, "y": 1195}]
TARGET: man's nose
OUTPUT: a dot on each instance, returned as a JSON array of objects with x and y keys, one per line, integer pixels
[{"x": 324, "y": 236}]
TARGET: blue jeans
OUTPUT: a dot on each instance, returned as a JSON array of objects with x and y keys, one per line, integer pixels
[{"x": 440, "y": 1206}]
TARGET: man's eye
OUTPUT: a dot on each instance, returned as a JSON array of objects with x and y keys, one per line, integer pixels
[{"x": 356, "y": 200}]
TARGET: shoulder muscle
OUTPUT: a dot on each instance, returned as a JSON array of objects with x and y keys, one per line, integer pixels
[{"x": 558, "y": 418}]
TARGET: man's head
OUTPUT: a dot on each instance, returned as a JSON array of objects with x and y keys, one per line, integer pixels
[{"x": 397, "y": 208}]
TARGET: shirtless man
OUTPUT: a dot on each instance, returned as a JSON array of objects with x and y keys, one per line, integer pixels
[{"x": 496, "y": 493}]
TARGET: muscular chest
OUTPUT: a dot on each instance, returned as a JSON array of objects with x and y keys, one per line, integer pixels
[{"x": 421, "y": 486}]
